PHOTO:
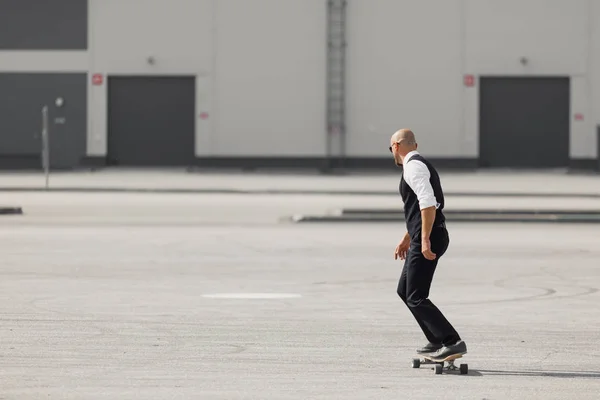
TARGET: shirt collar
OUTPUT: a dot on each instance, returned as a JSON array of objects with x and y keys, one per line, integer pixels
[{"x": 410, "y": 155}]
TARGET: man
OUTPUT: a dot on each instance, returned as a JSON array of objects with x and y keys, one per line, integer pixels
[{"x": 423, "y": 245}]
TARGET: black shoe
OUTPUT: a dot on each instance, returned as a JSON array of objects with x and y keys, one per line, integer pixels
[
  {"x": 459, "y": 347},
  {"x": 429, "y": 348}
]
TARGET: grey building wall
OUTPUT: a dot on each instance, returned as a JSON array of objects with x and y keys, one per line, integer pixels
[
  {"x": 268, "y": 80},
  {"x": 41, "y": 43},
  {"x": 43, "y": 24}
]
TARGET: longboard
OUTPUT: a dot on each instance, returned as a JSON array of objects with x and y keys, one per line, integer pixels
[{"x": 438, "y": 365}]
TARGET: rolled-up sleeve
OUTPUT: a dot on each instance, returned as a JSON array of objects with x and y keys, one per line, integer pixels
[{"x": 416, "y": 175}]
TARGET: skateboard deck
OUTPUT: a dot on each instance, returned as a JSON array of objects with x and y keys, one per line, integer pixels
[
  {"x": 439, "y": 364},
  {"x": 449, "y": 358}
]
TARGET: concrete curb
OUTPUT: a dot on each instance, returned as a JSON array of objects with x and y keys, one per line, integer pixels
[
  {"x": 11, "y": 211},
  {"x": 487, "y": 216},
  {"x": 499, "y": 211},
  {"x": 287, "y": 192}
]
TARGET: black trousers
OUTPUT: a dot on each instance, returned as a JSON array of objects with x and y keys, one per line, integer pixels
[{"x": 414, "y": 284}]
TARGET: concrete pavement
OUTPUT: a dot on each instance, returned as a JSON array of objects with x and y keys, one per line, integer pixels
[
  {"x": 483, "y": 183},
  {"x": 61, "y": 207},
  {"x": 478, "y": 196},
  {"x": 174, "y": 296}
]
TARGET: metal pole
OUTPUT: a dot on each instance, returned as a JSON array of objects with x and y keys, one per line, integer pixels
[{"x": 45, "y": 145}]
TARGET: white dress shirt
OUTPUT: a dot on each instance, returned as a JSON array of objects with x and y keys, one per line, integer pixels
[{"x": 416, "y": 174}]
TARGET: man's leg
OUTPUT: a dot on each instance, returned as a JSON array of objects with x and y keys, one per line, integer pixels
[
  {"x": 434, "y": 342},
  {"x": 419, "y": 277}
]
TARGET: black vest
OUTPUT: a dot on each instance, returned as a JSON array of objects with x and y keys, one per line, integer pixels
[{"x": 412, "y": 210}]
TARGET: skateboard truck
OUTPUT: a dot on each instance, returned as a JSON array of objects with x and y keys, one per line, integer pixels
[{"x": 438, "y": 365}]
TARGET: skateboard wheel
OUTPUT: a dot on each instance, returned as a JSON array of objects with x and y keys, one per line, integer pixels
[
  {"x": 416, "y": 363},
  {"x": 438, "y": 369},
  {"x": 464, "y": 369}
]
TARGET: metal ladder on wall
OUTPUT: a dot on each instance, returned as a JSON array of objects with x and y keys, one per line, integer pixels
[{"x": 336, "y": 80}]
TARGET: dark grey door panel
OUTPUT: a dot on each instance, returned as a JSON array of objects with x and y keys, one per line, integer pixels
[
  {"x": 22, "y": 97},
  {"x": 43, "y": 24},
  {"x": 524, "y": 122},
  {"x": 151, "y": 120}
]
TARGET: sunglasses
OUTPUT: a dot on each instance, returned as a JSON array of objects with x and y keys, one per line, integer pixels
[
  {"x": 399, "y": 143},
  {"x": 391, "y": 147}
]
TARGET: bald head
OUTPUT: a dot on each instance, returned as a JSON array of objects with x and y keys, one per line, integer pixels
[
  {"x": 405, "y": 135},
  {"x": 402, "y": 143}
]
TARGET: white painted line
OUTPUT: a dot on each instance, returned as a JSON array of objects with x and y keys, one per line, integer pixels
[{"x": 252, "y": 296}]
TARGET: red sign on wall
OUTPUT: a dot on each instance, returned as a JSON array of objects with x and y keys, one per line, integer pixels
[
  {"x": 469, "y": 80},
  {"x": 97, "y": 79},
  {"x": 578, "y": 117}
]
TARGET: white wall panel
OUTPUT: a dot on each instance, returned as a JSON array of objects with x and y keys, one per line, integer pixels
[
  {"x": 177, "y": 33},
  {"x": 261, "y": 67},
  {"x": 594, "y": 75},
  {"x": 44, "y": 61},
  {"x": 404, "y": 70},
  {"x": 552, "y": 34},
  {"x": 124, "y": 33},
  {"x": 554, "y": 37},
  {"x": 270, "y": 65},
  {"x": 582, "y": 138}
]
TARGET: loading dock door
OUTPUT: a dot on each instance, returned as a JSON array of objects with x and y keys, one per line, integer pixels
[
  {"x": 22, "y": 97},
  {"x": 524, "y": 122},
  {"x": 151, "y": 120}
]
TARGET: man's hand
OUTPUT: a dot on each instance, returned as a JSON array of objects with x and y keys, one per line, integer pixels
[
  {"x": 402, "y": 248},
  {"x": 426, "y": 249}
]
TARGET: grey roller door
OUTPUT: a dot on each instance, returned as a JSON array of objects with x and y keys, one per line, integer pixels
[
  {"x": 524, "y": 122},
  {"x": 151, "y": 121}
]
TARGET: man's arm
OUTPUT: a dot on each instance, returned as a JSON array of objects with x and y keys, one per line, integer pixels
[
  {"x": 417, "y": 177},
  {"x": 427, "y": 218}
]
